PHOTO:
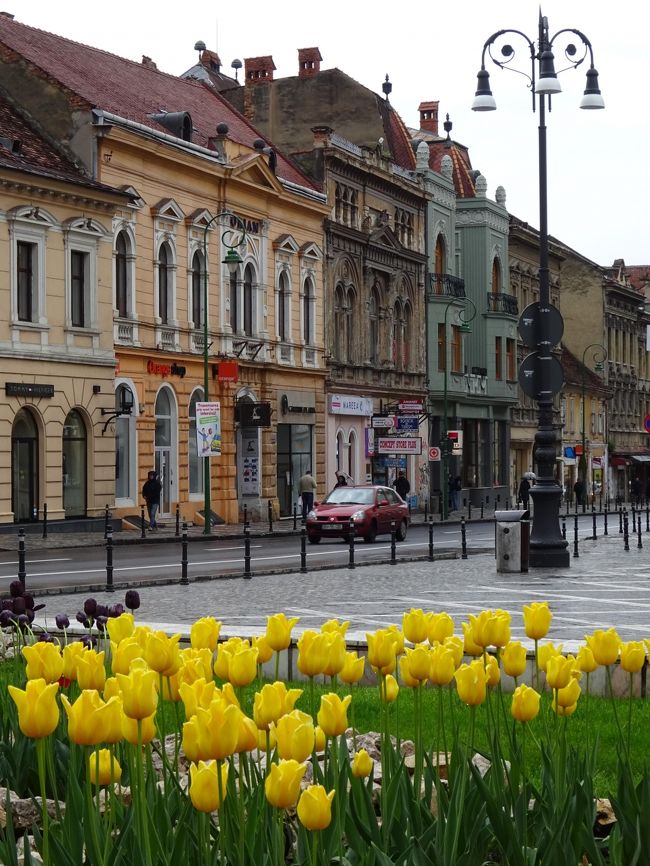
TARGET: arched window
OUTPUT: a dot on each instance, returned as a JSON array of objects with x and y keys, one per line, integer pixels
[
  {"x": 373, "y": 334},
  {"x": 339, "y": 323},
  {"x": 234, "y": 305},
  {"x": 338, "y": 204},
  {"x": 74, "y": 465},
  {"x": 440, "y": 266},
  {"x": 352, "y": 451},
  {"x": 248, "y": 301},
  {"x": 308, "y": 312},
  {"x": 283, "y": 307},
  {"x": 341, "y": 462},
  {"x": 124, "y": 446},
  {"x": 197, "y": 300},
  {"x": 353, "y": 209},
  {"x": 196, "y": 462},
  {"x": 164, "y": 282},
  {"x": 407, "y": 338},
  {"x": 349, "y": 327},
  {"x": 397, "y": 335},
  {"x": 24, "y": 467},
  {"x": 122, "y": 246},
  {"x": 496, "y": 276}
]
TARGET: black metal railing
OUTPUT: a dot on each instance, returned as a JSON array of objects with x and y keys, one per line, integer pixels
[
  {"x": 446, "y": 285},
  {"x": 497, "y": 302}
]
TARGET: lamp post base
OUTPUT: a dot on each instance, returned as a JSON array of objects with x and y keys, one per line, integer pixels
[{"x": 547, "y": 547}]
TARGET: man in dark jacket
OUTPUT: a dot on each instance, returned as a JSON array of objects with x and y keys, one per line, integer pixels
[
  {"x": 151, "y": 495},
  {"x": 402, "y": 485}
]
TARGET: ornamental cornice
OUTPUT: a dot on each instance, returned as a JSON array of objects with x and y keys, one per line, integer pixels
[
  {"x": 482, "y": 218},
  {"x": 444, "y": 197}
]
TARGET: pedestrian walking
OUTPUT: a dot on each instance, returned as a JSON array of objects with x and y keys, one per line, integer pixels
[
  {"x": 151, "y": 494},
  {"x": 455, "y": 486},
  {"x": 579, "y": 490},
  {"x": 524, "y": 492},
  {"x": 306, "y": 489},
  {"x": 402, "y": 485},
  {"x": 637, "y": 490}
]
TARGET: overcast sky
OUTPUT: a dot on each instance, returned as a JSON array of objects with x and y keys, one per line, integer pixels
[{"x": 597, "y": 175}]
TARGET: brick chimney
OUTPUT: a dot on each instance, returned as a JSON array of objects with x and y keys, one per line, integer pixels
[
  {"x": 258, "y": 70},
  {"x": 308, "y": 62},
  {"x": 148, "y": 62},
  {"x": 211, "y": 60},
  {"x": 429, "y": 116}
]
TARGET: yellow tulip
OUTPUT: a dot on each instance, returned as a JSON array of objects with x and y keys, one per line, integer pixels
[
  {"x": 492, "y": 671},
  {"x": 415, "y": 625},
  {"x": 315, "y": 807},
  {"x": 537, "y": 619},
  {"x": 123, "y": 653},
  {"x": 246, "y": 735},
  {"x": 222, "y": 660},
  {"x": 337, "y": 649},
  {"x": 273, "y": 701},
  {"x": 121, "y": 627},
  {"x": 443, "y": 665},
  {"x": 441, "y": 626},
  {"x": 204, "y": 633},
  {"x": 470, "y": 647},
  {"x": 197, "y": 663},
  {"x": 418, "y": 662},
  {"x": 161, "y": 653},
  {"x": 111, "y": 718},
  {"x": 362, "y": 764},
  {"x": 265, "y": 739},
  {"x": 71, "y": 652},
  {"x": 499, "y": 628},
  {"x": 204, "y": 785},
  {"x": 278, "y": 630},
  {"x": 313, "y": 653},
  {"x": 85, "y": 722},
  {"x": 38, "y": 713},
  {"x": 391, "y": 689},
  {"x": 398, "y": 640},
  {"x": 525, "y": 703},
  {"x": 229, "y": 696},
  {"x": 192, "y": 740},
  {"x": 333, "y": 625},
  {"x": 563, "y": 711},
  {"x": 112, "y": 688},
  {"x": 471, "y": 682},
  {"x": 282, "y": 784},
  {"x": 353, "y": 668},
  {"x": 242, "y": 668},
  {"x": 381, "y": 649},
  {"x": 479, "y": 628},
  {"x": 405, "y": 674},
  {"x": 44, "y": 661},
  {"x": 263, "y": 647},
  {"x": 103, "y": 770},
  {"x": 558, "y": 671},
  {"x": 139, "y": 691},
  {"x": 218, "y": 728},
  {"x": 513, "y": 658},
  {"x": 333, "y": 714},
  {"x": 456, "y": 646},
  {"x": 585, "y": 660},
  {"x": 91, "y": 673},
  {"x": 569, "y": 694},
  {"x": 147, "y": 730},
  {"x": 605, "y": 645},
  {"x": 197, "y": 694},
  {"x": 632, "y": 656},
  {"x": 547, "y": 651},
  {"x": 294, "y": 735},
  {"x": 320, "y": 740}
]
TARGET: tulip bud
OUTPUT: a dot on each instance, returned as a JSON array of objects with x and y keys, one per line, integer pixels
[
  {"x": 132, "y": 599},
  {"x": 104, "y": 769},
  {"x": 62, "y": 621},
  {"x": 315, "y": 807},
  {"x": 362, "y": 764},
  {"x": 525, "y": 703},
  {"x": 90, "y": 607},
  {"x": 282, "y": 785}
]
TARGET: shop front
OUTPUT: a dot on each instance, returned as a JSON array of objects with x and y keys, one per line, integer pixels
[
  {"x": 349, "y": 448},
  {"x": 295, "y": 447}
]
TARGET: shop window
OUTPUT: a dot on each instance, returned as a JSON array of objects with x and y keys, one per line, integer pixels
[
  {"x": 124, "y": 446},
  {"x": 24, "y": 467},
  {"x": 74, "y": 465},
  {"x": 294, "y": 457}
]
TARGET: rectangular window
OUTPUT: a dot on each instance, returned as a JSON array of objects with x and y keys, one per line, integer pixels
[
  {"x": 510, "y": 360},
  {"x": 498, "y": 358},
  {"x": 78, "y": 285},
  {"x": 26, "y": 263},
  {"x": 442, "y": 348},
  {"x": 197, "y": 298},
  {"x": 456, "y": 349}
]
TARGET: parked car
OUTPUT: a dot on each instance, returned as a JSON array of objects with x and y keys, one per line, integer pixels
[{"x": 372, "y": 508}]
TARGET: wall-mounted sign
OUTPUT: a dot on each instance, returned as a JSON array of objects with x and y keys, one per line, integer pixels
[
  {"x": 253, "y": 414},
  {"x": 350, "y": 404},
  {"x": 408, "y": 423},
  {"x": 383, "y": 422},
  {"x": 28, "y": 389},
  {"x": 226, "y": 371},
  {"x": 410, "y": 407},
  {"x": 164, "y": 370},
  {"x": 456, "y": 438},
  {"x": 208, "y": 429},
  {"x": 398, "y": 445},
  {"x": 298, "y": 403},
  {"x": 434, "y": 453}
]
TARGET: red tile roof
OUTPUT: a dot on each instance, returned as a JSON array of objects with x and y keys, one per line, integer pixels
[
  {"x": 462, "y": 167},
  {"x": 638, "y": 275},
  {"x": 129, "y": 89},
  {"x": 397, "y": 134}
]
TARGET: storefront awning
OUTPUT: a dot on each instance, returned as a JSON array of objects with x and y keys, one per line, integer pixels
[{"x": 641, "y": 458}]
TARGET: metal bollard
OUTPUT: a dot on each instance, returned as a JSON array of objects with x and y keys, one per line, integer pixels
[
  {"x": 45, "y": 520},
  {"x": 469, "y": 510},
  {"x": 626, "y": 535},
  {"x": 109, "y": 560},
  {"x": 184, "y": 580},
  {"x": 269, "y": 509},
  {"x": 431, "y": 538},
  {"x": 295, "y": 515},
  {"x": 647, "y": 518},
  {"x": 426, "y": 509},
  {"x": 245, "y": 515},
  {"x": 393, "y": 548},
  {"x": 106, "y": 519},
  {"x": 22, "y": 571},
  {"x": 351, "y": 541},
  {"x": 303, "y": 551},
  {"x": 633, "y": 519},
  {"x": 442, "y": 512},
  {"x": 575, "y": 536},
  {"x": 593, "y": 521},
  {"x": 638, "y": 527},
  {"x": 566, "y": 504},
  {"x": 142, "y": 532},
  {"x": 178, "y": 521},
  {"x": 247, "y": 552},
  {"x": 600, "y": 506},
  {"x": 605, "y": 521},
  {"x": 620, "y": 520},
  {"x": 481, "y": 509},
  {"x": 564, "y": 527},
  {"x": 463, "y": 539}
]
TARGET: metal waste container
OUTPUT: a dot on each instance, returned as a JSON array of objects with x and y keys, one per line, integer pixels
[{"x": 512, "y": 541}]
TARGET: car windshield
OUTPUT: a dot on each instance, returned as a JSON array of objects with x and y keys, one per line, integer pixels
[{"x": 350, "y": 496}]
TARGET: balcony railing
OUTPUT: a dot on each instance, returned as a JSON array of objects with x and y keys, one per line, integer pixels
[
  {"x": 446, "y": 285},
  {"x": 497, "y": 302}
]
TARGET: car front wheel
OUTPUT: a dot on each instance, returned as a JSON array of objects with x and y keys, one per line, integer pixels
[
  {"x": 401, "y": 531},
  {"x": 371, "y": 536},
  {"x": 314, "y": 539}
]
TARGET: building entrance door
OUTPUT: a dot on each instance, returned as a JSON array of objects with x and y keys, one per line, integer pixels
[{"x": 24, "y": 468}]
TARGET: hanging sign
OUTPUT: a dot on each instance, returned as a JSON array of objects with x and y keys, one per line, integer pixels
[
  {"x": 208, "y": 429},
  {"x": 398, "y": 445}
]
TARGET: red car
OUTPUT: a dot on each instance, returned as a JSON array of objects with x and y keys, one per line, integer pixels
[{"x": 372, "y": 508}]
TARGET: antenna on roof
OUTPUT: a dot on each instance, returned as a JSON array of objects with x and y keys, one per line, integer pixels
[
  {"x": 236, "y": 65},
  {"x": 386, "y": 87}
]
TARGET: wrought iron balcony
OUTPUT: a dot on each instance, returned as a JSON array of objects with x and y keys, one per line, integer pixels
[
  {"x": 445, "y": 285},
  {"x": 497, "y": 302}
]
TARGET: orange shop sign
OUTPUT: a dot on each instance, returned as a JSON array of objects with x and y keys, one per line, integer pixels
[
  {"x": 164, "y": 370},
  {"x": 228, "y": 371}
]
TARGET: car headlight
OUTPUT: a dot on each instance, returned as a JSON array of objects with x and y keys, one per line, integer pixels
[
  {"x": 311, "y": 515},
  {"x": 358, "y": 516}
]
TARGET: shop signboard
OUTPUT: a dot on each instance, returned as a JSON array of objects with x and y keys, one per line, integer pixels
[
  {"x": 398, "y": 445},
  {"x": 407, "y": 423},
  {"x": 208, "y": 429}
]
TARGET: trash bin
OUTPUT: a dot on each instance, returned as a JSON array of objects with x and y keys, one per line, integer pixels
[{"x": 512, "y": 541}]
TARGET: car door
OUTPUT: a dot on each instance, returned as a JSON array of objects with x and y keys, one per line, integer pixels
[
  {"x": 394, "y": 508},
  {"x": 383, "y": 511}
]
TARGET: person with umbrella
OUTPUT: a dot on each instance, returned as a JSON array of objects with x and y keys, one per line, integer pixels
[{"x": 524, "y": 491}]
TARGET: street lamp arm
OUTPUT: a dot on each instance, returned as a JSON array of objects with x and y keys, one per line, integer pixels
[
  {"x": 599, "y": 356},
  {"x": 570, "y": 50}
]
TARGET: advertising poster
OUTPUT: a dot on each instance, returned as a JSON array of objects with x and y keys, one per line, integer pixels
[{"x": 208, "y": 429}]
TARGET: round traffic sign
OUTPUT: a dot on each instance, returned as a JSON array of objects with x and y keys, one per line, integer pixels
[
  {"x": 541, "y": 376},
  {"x": 646, "y": 423},
  {"x": 434, "y": 453},
  {"x": 540, "y": 326}
]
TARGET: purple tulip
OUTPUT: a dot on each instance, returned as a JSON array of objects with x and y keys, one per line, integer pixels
[
  {"x": 6, "y": 618},
  {"x": 29, "y": 601},
  {"x": 89, "y": 641},
  {"x": 23, "y": 620},
  {"x": 46, "y": 637},
  {"x": 15, "y": 588},
  {"x": 62, "y": 621},
  {"x": 90, "y": 607},
  {"x": 19, "y": 605},
  {"x": 116, "y": 610},
  {"x": 132, "y": 599},
  {"x": 101, "y": 610},
  {"x": 101, "y": 621},
  {"x": 30, "y": 616},
  {"x": 7, "y": 604},
  {"x": 83, "y": 619}
]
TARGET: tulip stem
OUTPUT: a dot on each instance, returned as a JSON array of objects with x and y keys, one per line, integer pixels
[
  {"x": 41, "y": 746},
  {"x": 629, "y": 714},
  {"x": 142, "y": 798},
  {"x": 525, "y": 790},
  {"x": 222, "y": 843},
  {"x": 314, "y": 848},
  {"x": 277, "y": 665}
]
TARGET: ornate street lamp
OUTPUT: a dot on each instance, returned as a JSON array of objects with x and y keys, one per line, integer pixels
[
  {"x": 541, "y": 325},
  {"x": 232, "y": 238},
  {"x": 465, "y": 316},
  {"x": 598, "y": 356}
]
